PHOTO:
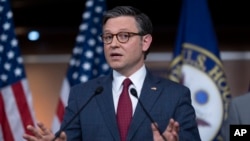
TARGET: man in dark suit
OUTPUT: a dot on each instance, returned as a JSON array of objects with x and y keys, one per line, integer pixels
[
  {"x": 127, "y": 36},
  {"x": 238, "y": 114}
]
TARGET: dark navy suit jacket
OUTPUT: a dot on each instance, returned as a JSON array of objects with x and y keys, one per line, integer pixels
[{"x": 162, "y": 98}]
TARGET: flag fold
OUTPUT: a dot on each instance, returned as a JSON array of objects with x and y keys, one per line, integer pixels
[
  {"x": 16, "y": 110},
  {"x": 87, "y": 61}
]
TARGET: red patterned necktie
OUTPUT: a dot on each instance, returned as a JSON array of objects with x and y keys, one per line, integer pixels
[{"x": 124, "y": 110}]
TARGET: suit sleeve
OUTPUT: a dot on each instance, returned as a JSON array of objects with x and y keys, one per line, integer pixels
[
  {"x": 185, "y": 115},
  {"x": 73, "y": 130}
]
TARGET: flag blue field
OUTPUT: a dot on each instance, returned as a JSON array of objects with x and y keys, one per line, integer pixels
[
  {"x": 16, "y": 109},
  {"x": 197, "y": 64},
  {"x": 88, "y": 60}
]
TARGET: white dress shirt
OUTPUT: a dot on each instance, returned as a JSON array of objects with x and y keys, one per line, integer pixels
[{"x": 137, "y": 79}]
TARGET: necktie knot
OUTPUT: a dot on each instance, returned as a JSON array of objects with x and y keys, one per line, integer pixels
[{"x": 126, "y": 83}]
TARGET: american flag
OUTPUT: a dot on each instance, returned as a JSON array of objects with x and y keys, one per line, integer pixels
[
  {"x": 87, "y": 61},
  {"x": 15, "y": 98}
]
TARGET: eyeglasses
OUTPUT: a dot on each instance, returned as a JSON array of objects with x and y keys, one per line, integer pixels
[{"x": 122, "y": 37}]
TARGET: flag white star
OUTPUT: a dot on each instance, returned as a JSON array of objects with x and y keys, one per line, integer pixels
[
  {"x": 84, "y": 78},
  {"x": 7, "y": 66},
  {"x": 20, "y": 60},
  {"x": 86, "y": 15},
  {"x": 3, "y": 37},
  {"x": 4, "y": 77},
  {"x": 1, "y": 48},
  {"x": 105, "y": 66},
  {"x": 89, "y": 54},
  {"x": 98, "y": 9},
  {"x": 6, "y": 26},
  {"x": 80, "y": 38},
  {"x": 86, "y": 66},
  {"x": 83, "y": 27},
  {"x": 14, "y": 42},
  {"x": 91, "y": 42},
  {"x": 99, "y": 49},
  {"x": 9, "y": 15},
  {"x": 10, "y": 54},
  {"x": 89, "y": 3},
  {"x": 75, "y": 75},
  {"x": 78, "y": 63},
  {"x": 72, "y": 62},
  {"x": 77, "y": 50},
  {"x": 18, "y": 72},
  {"x": 1, "y": 8},
  {"x": 96, "y": 20},
  {"x": 93, "y": 31}
]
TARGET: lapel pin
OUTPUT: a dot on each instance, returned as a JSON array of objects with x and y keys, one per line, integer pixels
[{"x": 153, "y": 88}]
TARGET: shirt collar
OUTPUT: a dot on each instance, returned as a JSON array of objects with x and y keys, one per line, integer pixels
[{"x": 137, "y": 78}]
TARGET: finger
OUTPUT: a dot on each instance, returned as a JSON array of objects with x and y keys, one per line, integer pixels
[
  {"x": 176, "y": 126},
  {"x": 156, "y": 133},
  {"x": 29, "y": 137},
  {"x": 154, "y": 126},
  {"x": 34, "y": 131},
  {"x": 62, "y": 137},
  {"x": 170, "y": 125},
  {"x": 173, "y": 134},
  {"x": 45, "y": 130}
]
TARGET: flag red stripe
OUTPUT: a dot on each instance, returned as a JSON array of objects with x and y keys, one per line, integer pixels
[
  {"x": 22, "y": 105},
  {"x": 60, "y": 110},
  {"x": 7, "y": 136}
]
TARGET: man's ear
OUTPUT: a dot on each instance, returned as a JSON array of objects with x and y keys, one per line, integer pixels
[{"x": 146, "y": 41}]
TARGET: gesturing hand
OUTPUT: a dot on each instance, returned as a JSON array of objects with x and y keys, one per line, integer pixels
[
  {"x": 42, "y": 134},
  {"x": 171, "y": 132}
]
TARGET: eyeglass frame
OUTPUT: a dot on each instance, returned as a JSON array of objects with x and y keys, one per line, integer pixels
[{"x": 130, "y": 34}]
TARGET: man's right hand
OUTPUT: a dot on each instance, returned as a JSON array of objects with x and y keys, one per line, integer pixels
[{"x": 42, "y": 134}]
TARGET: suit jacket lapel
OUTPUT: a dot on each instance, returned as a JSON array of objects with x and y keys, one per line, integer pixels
[
  {"x": 149, "y": 93},
  {"x": 106, "y": 105}
]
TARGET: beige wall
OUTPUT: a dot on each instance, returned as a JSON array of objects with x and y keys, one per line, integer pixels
[{"x": 45, "y": 81}]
